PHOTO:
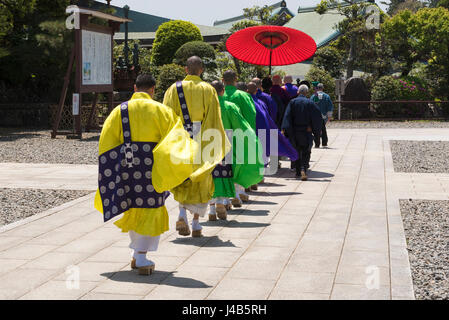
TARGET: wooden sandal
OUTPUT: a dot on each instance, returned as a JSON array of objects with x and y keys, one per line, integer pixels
[
  {"x": 236, "y": 203},
  {"x": 221, "y": 212},
  {"x": 147, "y": 270},
  {"x": 244, "y": 197},
  {"x": 197, "y": 233},
  {"x": 182, "y": 227}
]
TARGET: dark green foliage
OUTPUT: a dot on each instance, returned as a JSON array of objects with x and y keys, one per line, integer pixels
[
  {"x": 405, "y": 88},
  {"x": 168, "y": 74},
  {"x": 35, "y": 49},
  {"x": 170, "y": 36},
  {"x": 329, "y": 58},
  {"x": 195, "y": 48},
  {"x": 321, "y": 75}
]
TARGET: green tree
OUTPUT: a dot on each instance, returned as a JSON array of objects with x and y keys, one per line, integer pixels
[
  {"x": 352, "y": 27},
  {"x": 195, "y": 48},
  {"x": 444, "y": 4},
  {"x": 170, "y": 36},
  {"x": 329, "y": 58},
  {"x": 430, "y": 29},
  {"x": 318, "y": 74},
  {"x": 168, "y": 74},
  {"x": 396, "y": 32},
  {"x": 264, "y": 15}
]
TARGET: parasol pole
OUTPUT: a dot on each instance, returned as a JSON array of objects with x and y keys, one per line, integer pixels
[
  {"x": 271, "y": 49},
  {"x": 270, "y": 61}
]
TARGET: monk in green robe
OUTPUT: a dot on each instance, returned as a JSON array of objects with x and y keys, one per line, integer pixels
[
  {"x": 243, "y": 171},
  {"x": 245, "y": 103}
]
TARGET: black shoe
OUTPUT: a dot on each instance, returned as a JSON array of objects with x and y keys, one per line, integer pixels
[
  {"x": 317, "y": 147},
  {"x": 324, "y": 145}
]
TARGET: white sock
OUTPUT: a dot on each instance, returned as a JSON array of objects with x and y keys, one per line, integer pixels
[
  {"x": 135, "y": 253},
  {"x": 142, "y": 261},
  {"x": 183, "y": 214},
  {"x": 212, "y": 209},
  {"x": 196, "y": 225},
  {"x": 226, "y": 201}
]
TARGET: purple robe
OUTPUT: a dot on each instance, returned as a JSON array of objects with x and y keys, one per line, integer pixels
[
  {"x": 269, "y": 102},
  {"x": 264, "y": 121}
]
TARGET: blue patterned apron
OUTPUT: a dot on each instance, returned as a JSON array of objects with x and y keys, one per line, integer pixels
[{"x": 124, "y": 176}]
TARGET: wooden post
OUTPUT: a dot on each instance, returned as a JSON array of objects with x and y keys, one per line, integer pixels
[
  {"x": 90, "y": 124},
  {"x": 63, "y": 94}
]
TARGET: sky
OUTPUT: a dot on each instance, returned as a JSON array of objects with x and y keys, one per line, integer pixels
[{"x": 205, "y": 12}]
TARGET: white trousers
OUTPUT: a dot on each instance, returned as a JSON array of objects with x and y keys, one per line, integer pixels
[
  {"x": 199, "y": 208},
  {"x": 143, "y": 243},
  {"x": 219, "y": 200},
  {"x": 239, "y": 190}
]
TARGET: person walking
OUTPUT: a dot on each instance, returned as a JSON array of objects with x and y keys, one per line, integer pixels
[
  {"x": 324, "y": 103},
  {"x": 291, "y": 89},
  {"x": 302, "y": 121},
  {"x": 197, "y": 103},
  {"x": 135, "y": 153}
]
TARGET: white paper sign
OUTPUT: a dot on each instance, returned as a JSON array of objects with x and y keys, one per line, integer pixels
[
  {"x": 76, "y": 104},
  {"x": 96, "y": 61}
]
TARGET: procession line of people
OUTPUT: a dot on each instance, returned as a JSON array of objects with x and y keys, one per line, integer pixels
[{"x": 207, "y": 144}]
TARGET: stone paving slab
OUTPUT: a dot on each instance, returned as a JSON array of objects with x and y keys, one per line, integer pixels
[{"x": 337, "y": 236}]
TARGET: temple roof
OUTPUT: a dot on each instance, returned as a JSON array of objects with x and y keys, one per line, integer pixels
[{"x": 278, "y": 8}]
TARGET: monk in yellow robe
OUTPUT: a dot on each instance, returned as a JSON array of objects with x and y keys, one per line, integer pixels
[
  {"x": 144, "y": 151},
  {"x": 196, "y": 102}
]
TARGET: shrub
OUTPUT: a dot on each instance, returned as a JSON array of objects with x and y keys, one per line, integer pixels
[
  {"x": 170, "y": 36},
  {"x": 321, "y": 75},
  {"x": 386, "y": 88},
  {"x": 330, "y": 59},
  {"x": 405, "y": 88},
  {"x": 168, "y": 74},
  {"x": 195, "y": 48}
]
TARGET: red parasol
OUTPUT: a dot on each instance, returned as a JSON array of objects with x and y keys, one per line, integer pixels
[{"x": 271, "y": 45}]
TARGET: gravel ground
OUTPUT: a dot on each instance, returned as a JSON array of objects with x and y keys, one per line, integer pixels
[
  {"x": 420, "y": 156},
  {"x": 17, "y": 204},
  {"x": 426, "y": 225},
  {"x": 38, "y": 147},
  {"x": 386, "y": 124}
]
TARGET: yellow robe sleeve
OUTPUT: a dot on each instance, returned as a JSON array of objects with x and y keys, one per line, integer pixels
[{"x": 173, "y": 157}]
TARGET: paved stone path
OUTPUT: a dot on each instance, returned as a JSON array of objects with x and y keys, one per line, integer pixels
[{"x": 337, "y": 236}]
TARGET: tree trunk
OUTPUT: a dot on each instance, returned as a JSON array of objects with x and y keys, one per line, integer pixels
[
  {"x": 351, "y": 57},
  {"x": 237, "y": 66}
]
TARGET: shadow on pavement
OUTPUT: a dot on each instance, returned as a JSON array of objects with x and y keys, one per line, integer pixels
[
  {"x": 157, "y": 277},
  {"x": 211, "y": 242},
  {"x": 246, "y": 212},
  {"x": 271, "y": 184},
  {"x": 271, "y": 194},
  {"x": 261, "y": 202}
]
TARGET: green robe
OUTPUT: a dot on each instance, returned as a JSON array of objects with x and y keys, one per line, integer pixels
[
  {"x": 244, "y": 174},
  {"x": 244, "y": 102}
]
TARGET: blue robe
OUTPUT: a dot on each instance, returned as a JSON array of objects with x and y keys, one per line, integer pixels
[
  {"x": 269, "y": 102},
  {"x": 264, "y": 121}
]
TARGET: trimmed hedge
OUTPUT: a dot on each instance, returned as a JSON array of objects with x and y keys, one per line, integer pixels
[
  {"x": 168, "y": 74},
  {"x": 405, "y": 88},
  {"x": 170, "y": 36},
  {"x": 194, "y": 48}
]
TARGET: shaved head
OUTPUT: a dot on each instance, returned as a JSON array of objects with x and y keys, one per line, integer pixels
[
  {"x": 194, "y": 66},
  {"x": 288, "y": 79},
  {"x": 277, "y": 80},
  {"x": 219, "y": 87},
  {"x": 258, "y": 82},
  {"x": 242, "y": 86},
  {"x": 252, "y": 88},
  {"x": 229, "y": 77}
]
